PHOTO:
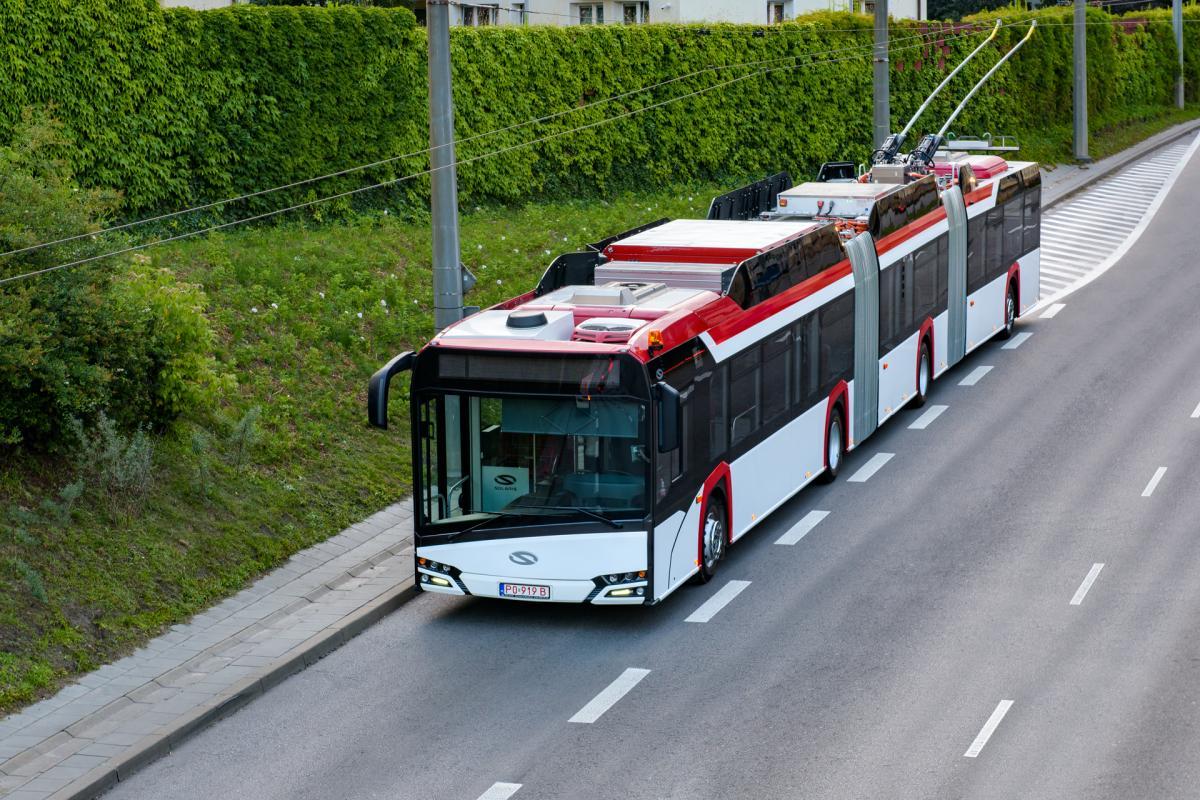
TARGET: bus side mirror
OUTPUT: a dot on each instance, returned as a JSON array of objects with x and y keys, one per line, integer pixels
[
  {"x": 377, "y": 389},
  {"x": 670, "y": 420}
]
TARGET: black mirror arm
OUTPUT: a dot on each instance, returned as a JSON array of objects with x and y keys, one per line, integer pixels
[{"x": 377, "y": 389}]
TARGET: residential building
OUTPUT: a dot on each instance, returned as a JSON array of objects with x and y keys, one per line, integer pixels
[{"x": 601, "y": 12}]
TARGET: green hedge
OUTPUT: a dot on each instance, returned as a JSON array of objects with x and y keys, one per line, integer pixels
[{"x": 174, "y": 107}]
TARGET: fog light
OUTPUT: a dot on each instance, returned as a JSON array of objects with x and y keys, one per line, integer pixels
[
  {"x": 424, "y": 579},
  {"x": 439, "y": 581},
  {"x": 640, "y": 591}
]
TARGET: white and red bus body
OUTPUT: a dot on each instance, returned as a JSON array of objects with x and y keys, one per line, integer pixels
[{"x": 547, "y": 465}]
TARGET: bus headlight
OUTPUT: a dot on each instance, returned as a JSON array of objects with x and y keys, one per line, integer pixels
[{"x": 617, "y": 579}]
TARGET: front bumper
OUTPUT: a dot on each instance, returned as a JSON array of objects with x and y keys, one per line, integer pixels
[{"x": 561, "y": 591}]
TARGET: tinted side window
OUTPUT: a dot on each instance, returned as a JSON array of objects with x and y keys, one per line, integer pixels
[
  {"x": 837, "y": 342},
  {"x": 718, "y": 412},
  {"x": 776, "y": 375},
  {"x": 976, "y": 253},
  {"x": 1033, "y": 219},
  {"x": 744, "y": 402},
  {"x": 889, "y": 305},
  {"x": 807, "y": 338},
  {"x": 993, "y": 254},
  {"x": 1014, "y": 228},
  {"x": 925, "y": 282}
]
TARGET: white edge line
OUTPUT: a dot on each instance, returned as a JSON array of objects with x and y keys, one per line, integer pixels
[
  {"x": 802, "y": 528},
  {"x": 609, "y": 695},
  {"x": 925, "y": 420},
  {"x": 1082, "y": 591},
  {"x": 1134, "y": 235},
  {"x": 988, "y": 729},
  {"x": 724, "y": 596},
  {"x": 1052, "y": 311},
  {"x": 1196, "y": 413},
  {"x": 1153, "y": 484},
  {"x": 500, "y": 791}
]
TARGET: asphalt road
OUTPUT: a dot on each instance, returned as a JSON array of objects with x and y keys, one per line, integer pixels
[{"x": 862, "y": 662}]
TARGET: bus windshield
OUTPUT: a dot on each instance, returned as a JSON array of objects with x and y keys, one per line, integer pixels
[{"x": 488, "y": 457}]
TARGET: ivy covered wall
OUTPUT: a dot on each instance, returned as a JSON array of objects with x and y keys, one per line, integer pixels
[{"x": 175, "y": 107}]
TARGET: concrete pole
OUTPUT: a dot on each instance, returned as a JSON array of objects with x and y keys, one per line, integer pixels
[
  {"x": 1080, "y": 93},
  {"x": 1177, "y": 20},
  {"x": 883, "y": 112},
  {"x": 447, "y": 275}
]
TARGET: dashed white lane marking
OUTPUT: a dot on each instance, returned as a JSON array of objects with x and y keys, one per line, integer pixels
[
  {"x": 610, "y": 695},
  {"x": 718, "y": 601},
  {"x": 988, "y": 729},
  {"x": 1016, "y": 341},
  {"x": 1196, "y": 413},
  {"x": 500, "y": 791},
  {"x": 922, "y": 422},
  {"x": 870, "y": 468},
  {"x": 1153, "y": 484},
  {"x": 1082, "y": 591},
  {"x": 975, "y": 376},
  {"x": 803, "y": 527},
  {"x": 1052, "y": 310}
]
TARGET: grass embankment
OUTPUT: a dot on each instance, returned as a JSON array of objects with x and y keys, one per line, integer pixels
[{"x": 304, "y": 314}]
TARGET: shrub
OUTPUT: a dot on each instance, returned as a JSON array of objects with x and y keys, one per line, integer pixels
[{"x": 77, "y": 341}]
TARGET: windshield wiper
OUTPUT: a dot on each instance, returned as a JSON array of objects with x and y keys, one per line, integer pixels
[
  {"x": 582, "y": 510},
  {"x": 494, "y": 515}
]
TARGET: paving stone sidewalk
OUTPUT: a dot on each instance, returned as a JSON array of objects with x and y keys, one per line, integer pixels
[{"x": 120, "y": 717}]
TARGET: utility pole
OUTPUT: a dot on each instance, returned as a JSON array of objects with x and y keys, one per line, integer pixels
[
  {"x": 1177, "y": 21},
  {"x": 447, "y": 274},
  {"x": 883, "y": 112},
  {"x": 1080, "y": 93}
]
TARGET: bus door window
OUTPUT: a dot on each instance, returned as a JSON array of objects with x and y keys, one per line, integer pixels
[
  {"x": 889, "y": 308},
  {"x": 994, "y": 244},
  {"x": 776, "y": 375},
  {"x": 1033, "y": 219},
  {"x": 837, "y": 342},
  {"x": 744, "y": 400},
  {"x": 976, "y": 257},
  {"x": 1014, "y": 227},
  {"x": 718, "y": 410},
  {"x": 808, "y": 359},
  {"x": 925, "y": 280},
  {"x": 942, "y": 272}
]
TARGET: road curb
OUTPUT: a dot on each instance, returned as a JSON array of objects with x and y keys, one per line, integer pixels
[
  {"x": 156, "y": 745},
  {"x": 1107, "y": 166}
]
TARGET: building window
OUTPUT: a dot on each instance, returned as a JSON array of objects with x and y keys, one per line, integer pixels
[
  {"x": 634, "y": 13},
  {"x": 591, "y": 13},
  {"x": 774, "y": 13},
  {"x": 479, "y": 15},
  {"x": 522, "y": 16}
]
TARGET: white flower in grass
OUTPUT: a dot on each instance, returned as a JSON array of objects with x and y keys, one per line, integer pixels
[
  {"x": 322, "y": 295},
  {"x": 253, "y": 309},
  {"x": 515, "y": 250},
  {"x": 503, "y": 238},
  {"x": 360, "y": 315},
  {"x": 275, "y": 305},
  {"x": 383, "y": 303},
  {"x": 478, "y": 247},
  {"x": 547, "y": 252},
  {"x": 385, "y": 212},
  {"x": 499, "y": 282}
]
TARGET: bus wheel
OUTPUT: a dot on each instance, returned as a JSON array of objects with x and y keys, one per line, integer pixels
[
  {"x": 713, "y": 540},
  {"x": 1010, "y": 312},
  {"x": 924, "y": 375},
  {"x": 835, "y": 448}
]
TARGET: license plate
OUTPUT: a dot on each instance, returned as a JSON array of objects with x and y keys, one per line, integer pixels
[{"x": 528, "y": 591}]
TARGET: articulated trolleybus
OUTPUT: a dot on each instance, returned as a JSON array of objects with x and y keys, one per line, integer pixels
[{"x": 605, "y": 437}]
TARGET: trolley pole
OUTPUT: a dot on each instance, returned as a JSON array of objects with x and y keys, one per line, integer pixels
[
  {"x": 883, "y": 112},
  {"x": 1080, "y": 93},
  {"x": 1177, "y": 21},
  {"x": 447, "y": 274}
]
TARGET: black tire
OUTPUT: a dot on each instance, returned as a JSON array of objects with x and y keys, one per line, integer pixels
[
  {"x": 1010, "y": 312},
  {"x": 715, "y": 539},
  {"x": 924, "y": 370},
  {"x": 835, "y": 446}
]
